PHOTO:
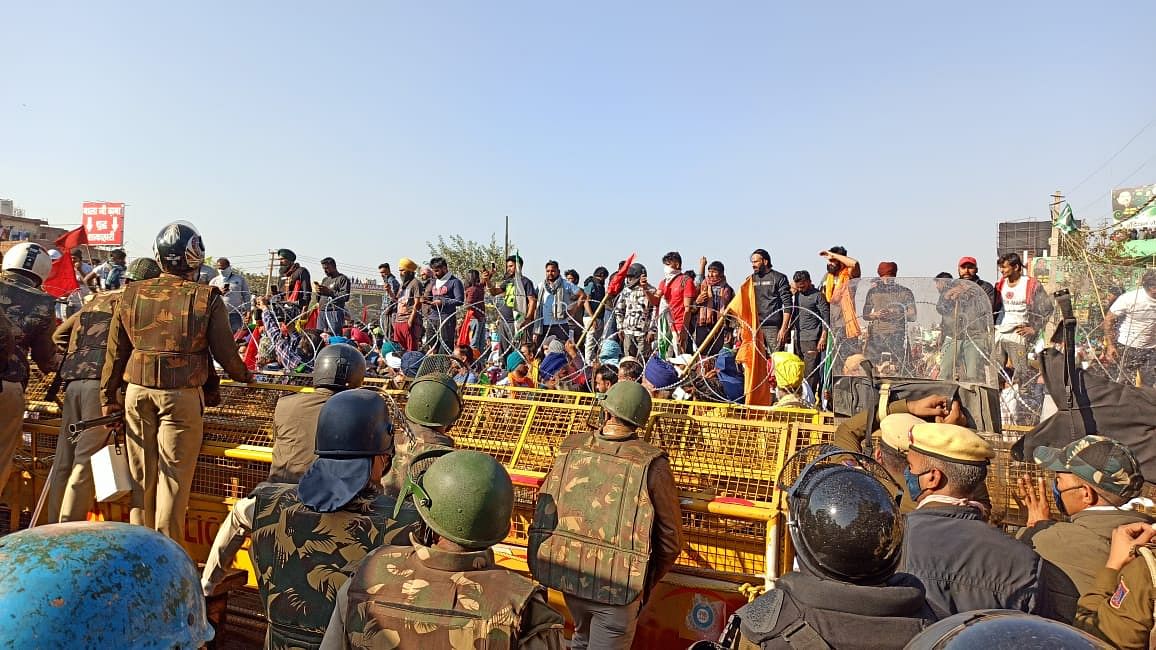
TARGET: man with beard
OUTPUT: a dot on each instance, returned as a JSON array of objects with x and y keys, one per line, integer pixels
[
  {"x": 293, "y": 289},
  {"x": 968, "y": 270},
  {"x": 595, "y": 289},
  {"x": 711, "y": 303},
  {"x": 446, "y": 294},
  {"x": 773, "y": 299},
  {"x": 888, "y": 308},
  {"x": 334, "y": 293},
  {"x": 558, "y": 298},
  {"x": 515, "y": 296},
  {"x": 407, "y": 323}
]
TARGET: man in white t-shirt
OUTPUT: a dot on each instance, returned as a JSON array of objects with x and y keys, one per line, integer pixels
[
  {"x": 1135, "y": 347},
  {"x": 1026, "y": 309}
]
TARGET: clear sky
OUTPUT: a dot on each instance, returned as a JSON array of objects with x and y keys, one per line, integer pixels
[{"x": 903, "y": 131}]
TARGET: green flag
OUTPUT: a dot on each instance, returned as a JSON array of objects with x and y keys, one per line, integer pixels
[{"x": 1065, "y": 221}]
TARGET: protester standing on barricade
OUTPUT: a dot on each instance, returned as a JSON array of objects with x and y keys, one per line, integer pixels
[
  {"x": 1026, "y": 309},
  {"x": 165, "y": 363},
  {"x": 714, "y": 295},
  {"x": 558, "y": 298},
  {"x": 632, "y": 311},
  {"x": 83, "y": 338},
  {"x": 294, "y": 289},
  {"x": 516, "y": 293},
  {"x": 391, "y": 288},
  {"x": 773, "y": 300},
  {"x": 446, "y": 294},
  {"x": 407, "y": 321},
  {"x": 475, "y": 302},
  {"x": 26, "y": 324},
  {"x": 1132, "y": 317},
  {"x": 234, "y": 289},
  {"x": 332, "y": 296},
  {"x": 595, "y": 289},
  {"x": 677, "y": 292},
  {"x": 810, "y": 318}
]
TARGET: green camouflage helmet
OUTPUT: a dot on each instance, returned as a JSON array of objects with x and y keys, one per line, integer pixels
[
  {"x": 433, "y": 401},
  {"x": 464, "y": 496},
  {"x": 628, "y": 401},
  {"x": 142, "y": 268}
]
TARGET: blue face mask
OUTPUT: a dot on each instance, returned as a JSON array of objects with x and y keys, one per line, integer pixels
[
  {"x": 912, "y": 480},
  {"x": 1057, "y": 496}
]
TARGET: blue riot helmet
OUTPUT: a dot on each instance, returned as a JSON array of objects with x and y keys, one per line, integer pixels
[{"x": 99, "y": 585}]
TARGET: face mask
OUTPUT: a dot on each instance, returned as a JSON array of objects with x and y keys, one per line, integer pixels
[
  {"x": 912, "y": 480},
  {"x": 284, "y": 267},
  {"x": 1057, "y": 496},
  {"x": 669, "y": 270}
]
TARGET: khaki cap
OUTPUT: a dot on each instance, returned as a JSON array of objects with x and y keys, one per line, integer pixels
[{"x": 950, "y": 442}]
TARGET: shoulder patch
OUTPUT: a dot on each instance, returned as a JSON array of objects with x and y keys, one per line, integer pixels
[
  {"x": 1117, "y": 599},
  {"x": 758, "y": 618}
]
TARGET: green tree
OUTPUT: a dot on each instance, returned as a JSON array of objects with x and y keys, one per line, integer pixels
[{"x": 464, "y": 254}]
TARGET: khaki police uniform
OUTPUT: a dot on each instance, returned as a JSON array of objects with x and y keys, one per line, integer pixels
[
  {"x": 295, "y": 434},
  {"x": 1119, "y": 606},
  {"x": 162, "y": 341}
]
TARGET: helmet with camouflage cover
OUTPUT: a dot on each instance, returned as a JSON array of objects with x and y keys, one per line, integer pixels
[
  {"x": 629, "y": 402},
  {"x": 1101, "y": 461},
  {"x": 142, "y": 268},
  {"x": 339, "y": 366},
  {"x": 433, "y": 401},
  {"x": 464, "y": 496},
  {"x": 179, "y": 248}
]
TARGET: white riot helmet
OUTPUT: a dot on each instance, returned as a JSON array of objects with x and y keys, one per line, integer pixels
[{"x": 28, "y": 259}]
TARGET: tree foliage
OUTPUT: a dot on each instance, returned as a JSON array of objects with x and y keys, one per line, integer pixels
[{"x": 464, "y": 254}]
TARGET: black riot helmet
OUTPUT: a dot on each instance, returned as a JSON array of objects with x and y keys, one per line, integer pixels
[
  {"x": 339, "y": 366},
  {"x": 354, "y": 424},
  {"x": 843, "y": 515},
  {"x": 179, "y": 248},
  {"x": 1001, "y": 628}
]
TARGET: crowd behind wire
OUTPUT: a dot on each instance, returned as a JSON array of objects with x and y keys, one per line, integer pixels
[{"x": 573, "y": 333}]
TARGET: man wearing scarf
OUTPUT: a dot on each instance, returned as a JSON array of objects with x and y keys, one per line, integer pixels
[
  {"x": 294, "y": 290},
  {"x": 632, "y": 313},
  {"x": 713, "y": 297},
  {"x": 559, "y": 297}
]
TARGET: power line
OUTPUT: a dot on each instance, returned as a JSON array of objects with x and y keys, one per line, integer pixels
[{"x": 1113, "y": 157}]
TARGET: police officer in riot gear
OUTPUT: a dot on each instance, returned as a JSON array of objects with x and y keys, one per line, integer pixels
[
  {"x": 336, "y": 368},
  {"x": 334, "y": 516},
  {"x": 432, "y": 408},
  {"x": 162, "y": 341},
  {"x": 27, "y": 320},
  {"x": 445, "y": 590},
  {"x": 611, "y": 465},
  {"x": 1002, "y": 628},
  {"x": 848, "y": 535}
]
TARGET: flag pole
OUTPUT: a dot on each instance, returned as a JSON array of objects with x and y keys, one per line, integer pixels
[
  {"x": 710, "y": 337},
  {"x": 593, "y": 319}
]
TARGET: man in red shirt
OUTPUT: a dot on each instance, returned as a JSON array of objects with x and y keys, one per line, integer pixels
[{"x": 678, "y": 291}]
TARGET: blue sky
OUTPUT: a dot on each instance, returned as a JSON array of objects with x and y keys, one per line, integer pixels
[{"x": 903, "y": 131}]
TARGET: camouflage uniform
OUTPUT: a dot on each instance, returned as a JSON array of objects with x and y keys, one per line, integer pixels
[
  {"x": 427, "y": 597},
  {"x": 299, "y": 555},
  {"x": 161, "y": 342},
  {"x": 84, "y": 337},
  {"x": 407, "y": 443},
  {"x": 608, "y": 507},
  {"x": 31, "y": 317},
  {"x": 295, "y": 434}
]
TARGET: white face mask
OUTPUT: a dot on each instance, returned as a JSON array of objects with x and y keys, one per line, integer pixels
[{"x": 670, "y": 270}]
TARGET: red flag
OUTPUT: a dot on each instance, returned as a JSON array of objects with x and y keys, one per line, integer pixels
[
  {"x": 62, "y": 280},
  {"x": 619, "y": 278},
  {"x": 311, "y": 319},
  {"x": 365, "y": 314},
  {"x": 464, "y": 329}
]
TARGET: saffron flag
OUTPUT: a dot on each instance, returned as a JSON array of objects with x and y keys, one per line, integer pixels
[
  {"x": 62, "y": 280},
  {"x": 749, "y": 350}
]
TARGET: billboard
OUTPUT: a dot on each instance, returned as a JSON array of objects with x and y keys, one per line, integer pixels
[
  {"x": 103, "y": 223},
  {"x": 1137, "y": 205}
]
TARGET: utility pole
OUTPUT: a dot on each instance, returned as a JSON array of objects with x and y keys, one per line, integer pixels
[
  {"x": 1054, "y": 214},
  {"x": 507, "y": 237},
  {"x": 269, "y": 279}
]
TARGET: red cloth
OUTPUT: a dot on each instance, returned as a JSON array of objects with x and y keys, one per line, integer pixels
[
  {"x": 311, "y": 319},
  {"x": 407, "y": 338},
  {"x": 251, "y": 349},
  {"x": 464, "y": 329},
  {"x": 619, "y": 278},
  {"x": 62, "y": 280},
  {"x": 359, "y": 336},
  {"x": 675, "y": 294}
]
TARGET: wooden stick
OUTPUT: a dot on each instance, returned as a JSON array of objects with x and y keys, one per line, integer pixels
[{"x": 593, "y": 319}]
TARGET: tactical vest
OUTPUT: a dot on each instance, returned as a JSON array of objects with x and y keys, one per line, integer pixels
[
  {"x": 298, "y": 554},
  {"x": 591, "y": 534},
  {"x": 90, "y": 338},
  {"x": 167, "y": 321},
  {"x": 32, "y": 313},
  {"x": 395, "y": 593}
]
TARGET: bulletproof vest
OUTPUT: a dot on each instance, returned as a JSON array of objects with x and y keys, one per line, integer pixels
[
  {"x": 90, "y": 338},
  {"x": 298, "y": 552},
  {"x": 591, "y": 534},
  {"x": 167, "y": 321},
  {"x": 408, "y": 441},
  {"x": 395, "y": 593},
  {"x": 31, "y": 313}
]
